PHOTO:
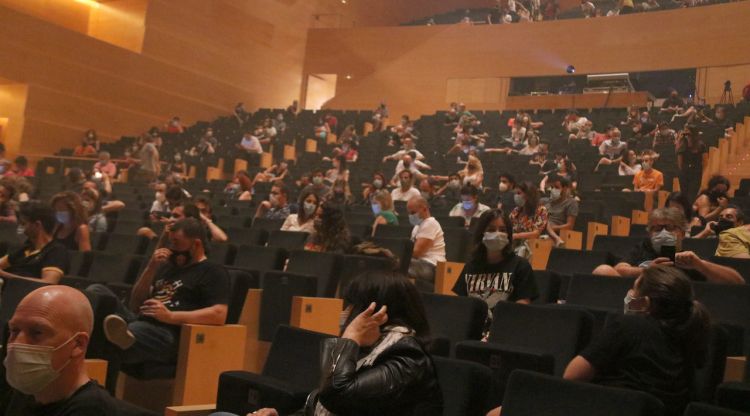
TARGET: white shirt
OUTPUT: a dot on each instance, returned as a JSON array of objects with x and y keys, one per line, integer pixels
[
  {"x": 251, "y": 144},
  {"x": 398, "y": 195},
  {"x": 626, "y": 170},
  {"x": 402, "y": 152},
  {"x": 610, "y": 149},
  {"x": 413, "y": 168},
  {"x": 292, "y": 224},
  {"x": 458, "y": 211},
  {"x": 431, "y": 230}
]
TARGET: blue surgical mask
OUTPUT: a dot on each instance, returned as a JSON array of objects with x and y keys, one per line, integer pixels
[
  {"x": 415, "y": 220},
  {"x": 376, "y": 210},
  {"x": 467, "y": 205},
  {"x": 63, "y": 217}
]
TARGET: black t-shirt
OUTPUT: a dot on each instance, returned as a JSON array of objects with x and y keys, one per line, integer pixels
[
  {"x": 190, "y": 288},
  {"x": 510, "y": 280},
  {"x": 30, "y": 263},
  {"x": 89, "y": 400},
  {"x": 507, "y": 199},
  {"x": 644, "y": 253},
  {"x": 633, "y": 352}
]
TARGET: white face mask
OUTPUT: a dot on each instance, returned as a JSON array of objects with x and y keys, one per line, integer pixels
[
  {"x": 29, "y": 367},
  {"x": 555, "y": 194},
  {"x": 663, "y": 238},
  {"x": 309, "y": 208},
  {"x": 503, "y": 187},
  {"x": 495, "y": 241}
]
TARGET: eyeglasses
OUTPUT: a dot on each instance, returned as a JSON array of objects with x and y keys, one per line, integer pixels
[{"x": 668, "y": 227}]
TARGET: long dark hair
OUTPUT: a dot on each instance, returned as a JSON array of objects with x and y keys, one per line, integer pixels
[
  {"x": 532, "y": 197},
  {"x": 682, "y": 199},
  {"x": 331, "y": 231},
  {"x": 672, "y": 304},
  {"x": 396, "y": 292},
  {"x": 479, "y": 254}
]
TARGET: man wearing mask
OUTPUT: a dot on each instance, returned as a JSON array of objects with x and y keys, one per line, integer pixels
[
  {"x": 506, "y": 192},
  {"x": 318, "y": 186},
  {"x": 612, "y": 147},
  {"x": 562, "y": 209},
  {"x": 49, "y": 335},
  {"x": 429, "y": 243},
  {"x": 178, "y": 286},
  {"x": 42, "y": 257},
  {"x": 734, "y": 235},
  {"x": 730, "y": 217},
  {"x": 407, "y": 162},
  {"x": 469, "y": 207},
  {"x": 277, "y": 206},
  {"x": 648, "y": 179},
  {"x": 406, "y": 190},
  {"x": 666, "y": 231}
]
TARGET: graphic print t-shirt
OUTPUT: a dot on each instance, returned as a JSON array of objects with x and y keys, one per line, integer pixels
[{"x": 509, "y": 280}]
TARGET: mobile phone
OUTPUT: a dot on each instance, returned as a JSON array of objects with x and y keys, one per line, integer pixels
[{"x": 668, "y": 252}]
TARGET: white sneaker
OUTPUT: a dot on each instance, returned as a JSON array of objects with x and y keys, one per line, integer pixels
[{"x": 117, "y": 332}]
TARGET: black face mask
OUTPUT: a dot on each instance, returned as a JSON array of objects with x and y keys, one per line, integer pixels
[
  {"x": 723, "y": 225},
  {"x": 180, "y": 258}
]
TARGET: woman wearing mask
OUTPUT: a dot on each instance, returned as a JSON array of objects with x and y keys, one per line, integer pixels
[
  {"x": 473, "y": 174},
  {"x": 529, "y": 218},
  {"x": 382, "y": 208},
  {"x": 178, "y": 166},
  {"x": 495, "y": 273},
  {"x": 304, "y": 220},
  {"x": 92, "y": 204},
  {"x": 331, "y": 234},
  {"x": 369, "y": 189},
  {"x": 72, "y": 223},
  {"x": 713, "y": 199},
  {"x": 629, "y": 165},
  {"x": 506, "y": 192},
  {"x": 339, "y": 171}
]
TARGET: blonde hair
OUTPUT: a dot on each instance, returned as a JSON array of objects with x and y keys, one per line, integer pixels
[
  {"x": 475, "y": 162},
  {"x": 384, "y": 199}
]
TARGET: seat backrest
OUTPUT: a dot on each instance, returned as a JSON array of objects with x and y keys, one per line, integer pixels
[
  {"x": 260, "y": 258},
  {"x": 559, "y": 331},
  {"x": 393, "y": 231},
  {"x": 598, "y": 291},
  {"x": 252, "y": 236},
  {"x": 451, "y": 222},
  {"x": 703, "y": 247},
  {"x": 124, "y": 243},
  {"x": 114, "y": 267},
  {"x": 294, "y": 357},
  {"x": 530, "y": 393},
  {"x": 457, "y": 244},
  {"x": 710, "y": 375},
  {"x": 80, "y": 262},
  {"x": 325, "y": 266},
  {"x": 14, "y": 290},
  {"x": 221, "y": 252},
  {"x": 276, "y": 303},
  {"x": 616, "y": 245},
  {"x": 548, "y": 284},
  {"x": 703, "y": 409},
  {"x": 727, "y": 303},
  {"x": 127, "y": 227},
  {"x": 742, "y": 266},
  {"x": 456, "y": 318},
  {"x": 239, "y": 283},
  {"x": 267, "y": 224},
  {"x": 288, "y": 240},
  {"x": 465, "y": 386},
  {"x": 402, "y": 248},
  {"x": 353, "y": 265},
  {"x": 565, "y": 261}
]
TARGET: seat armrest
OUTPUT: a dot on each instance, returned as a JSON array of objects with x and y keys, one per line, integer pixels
[
  {"x": 446, "y": 275},
  {"x": 192, "y": 410},
  {"x": 317, "y": 314},
  {"x": 205, "y": 352},
  {"x": 242, "y": 392}
]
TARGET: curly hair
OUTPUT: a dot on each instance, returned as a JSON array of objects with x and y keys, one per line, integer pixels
[
  {"x": 73, "y": 203},
  {"x": 331, "y": 231}
]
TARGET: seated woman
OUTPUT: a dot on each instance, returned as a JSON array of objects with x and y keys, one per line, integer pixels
[
  {"x": 369, "y": 189},
  {"x": 338, "y": 172},
  {"x": 382, "y": 208},
  {"x": 330, "y": 233},
  {"x": 72, "y": 227},
  {"x": 666, "y": 227},
  {"x": 304, "y": 220},
  {"x": 629, "y": 165},
  {"x": 528, "y": 218},
  {"x": 277, "y": 172},
  {"x": 713, "y": 199},
  {"x": 92, "y": 204},
  {"x": 495, "y": 273}
]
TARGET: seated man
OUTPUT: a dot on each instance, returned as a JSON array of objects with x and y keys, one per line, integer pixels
[
  {"x": 49, "y": 335},
  {"x": 729, "y": 217},
  {"x": 318, "y": 185},
  {"x": 42, "y": 256},
  {"x": 733, "y": 241},
  {"x": 250, "y": 142},
  {"x": 178, "y": 286},
  {"x": 562, "y": 209},
  {"x": 406, "y": 189},
  {"x": 277, "y": 206},
  {"x": 666, "y": 230},
  {"x": 469, "y": 207},
  {"x": 648, "y": 179},
  {"x": 429, "y": 243}
]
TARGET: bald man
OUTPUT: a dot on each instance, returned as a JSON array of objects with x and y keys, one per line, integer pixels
[
  {"x": 44, "y": 363},
  {"x": 429, "y": 244}
]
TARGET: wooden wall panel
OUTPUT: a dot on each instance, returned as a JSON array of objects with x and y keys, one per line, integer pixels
[
  {"x": 409, "y": 66},
  {"x": 711, "y": 81}
]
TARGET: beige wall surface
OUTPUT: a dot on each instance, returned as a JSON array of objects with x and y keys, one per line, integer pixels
[{"x": 409, "y": 67}]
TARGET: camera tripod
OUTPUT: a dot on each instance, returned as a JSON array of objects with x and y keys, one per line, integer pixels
[{"x": 726, "y": 96}]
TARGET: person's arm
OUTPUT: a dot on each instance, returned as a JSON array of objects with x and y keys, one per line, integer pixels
[
  {"x": 421, "y": 246},
  {"x": 626, "y": 270},
  {"x": 142, "y": 287},
  {"x": 217, "y": 234},
  {"x": 714, "y": 273},
  {"x": 567, "y": 226},
  {"x": 579, "y": 369},
  {"x": 51, "y": 277},
  {"x": 83, "y": 238},
  {"x": 379, "y": 220},
  {"x": 680, "y": 157},
  {"x": 113, "y": 206},
  {"x": 212, "y": 315},
  {"x": 707, "y": 231}
]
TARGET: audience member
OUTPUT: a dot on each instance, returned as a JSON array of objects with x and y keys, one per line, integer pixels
[
  {"x": 382, "y": 208},
  {"x": 105, "y": 165},
  {"x": 21, "y": 168},
  {"x": 664, "y": 247},
  {"x": 250, "y": 142},
  {"x": 378, "y": 183},
  {"x": 469, "y": 207},
  {"x": 692, "y": 158},
  {"x": 712, "y": 200},
  {"x": 92, "y": 206},
  {"x": 734, "y": 234},
  {"x": 338, "y": 172},
  {"x": 672, "y": 104},
  {"x": 562, "y": 209},
  {"x": 730, "y": 217},
  {"x": 529, "y": 218},
  {"x": 330, "y": 234},
  {"x": 84, "y": 150},
  {"x": 318, "y": 186},
  {"x": 72, "y": 228},
  {"x": 149, "y": 157},
  {"x": 49, "y": 334},
  {"x": 277, "y": 206},
  {"x": 648, "y": 179},
  {"x": 612, "y": 148},
  {"x": 429, "y": 243},
  {"x": 8, "y": 206},
  {"x": 42, "y": 257},
  {"x": 629, "y": 165},
  {"x": 304, "y": 220},
  {"x": 406, "y": 189},
  {"x": 506, "y": 192}
]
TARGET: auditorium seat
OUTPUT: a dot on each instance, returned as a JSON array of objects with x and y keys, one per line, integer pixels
[
  {"x": 353, "y": 265},
  {"x": 80, "y": 261},
  {"x": 615, "y": 245},
  {"x": 291, "y": 372},
  {"x": 539, "y": 338},
  {"x": 727, "y": 304},
  {"x": 221, "y": 252},
  {"x": 705, "y": 248},
  {"x": 325, "y": 266},
  {"x": 465, "y": 386},
  {"x": 598, "y": 291},
  {"x": 450, "y": 222},
  {"x": 703, "y": 409},
  {"x": 402, "y": 248},
  {"x": 251, "y": 237},
  {"x": 453, "y": 319},
  {"x": 128, "y": 227},
  {"x": 14, "y": 290},
  {"x": 232, "y": 221},
  {"x": 458, "y": 245},
  {"x": 260, "y": 258},
  {"x": 266, "y": 224},
  {"x": 240, "y": 281},
  {"x": 742, "y": 266},
  {"x": 288, "y": 240},
  {"x": 123, "y": 243},
  {"x": 393, "y": 231},
  {"x": 711, "y": 373},
  {"x": 278, "y": 290},
  {"x": 570, "y": 262},
  {"x": 734, "y": 395},
  {"x": 548, "y": 284},
  {"x": 533, "y": 394}
]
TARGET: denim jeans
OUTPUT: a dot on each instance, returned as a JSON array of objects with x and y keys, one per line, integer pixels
[{"x": 154, "y": 343}]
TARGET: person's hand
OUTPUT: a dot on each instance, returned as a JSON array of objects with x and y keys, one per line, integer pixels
[
  {"x": 264, "y": 206},
  {"x": 264, "y": 412},
  {"x": 365, "y": 328},
  {"x": 709, "y": 227},
  {"x": 687, "y": 260},
  {"x": 155, "y": 309},
  {"x": 160, "y": 256},
  {"x": 664, "y": 261}
]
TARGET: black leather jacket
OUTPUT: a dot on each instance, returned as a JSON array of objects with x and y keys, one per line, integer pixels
[{"x": 401, "y": 382}]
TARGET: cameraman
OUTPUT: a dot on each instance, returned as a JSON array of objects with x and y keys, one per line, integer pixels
[{"x": 712, "y": 200}]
